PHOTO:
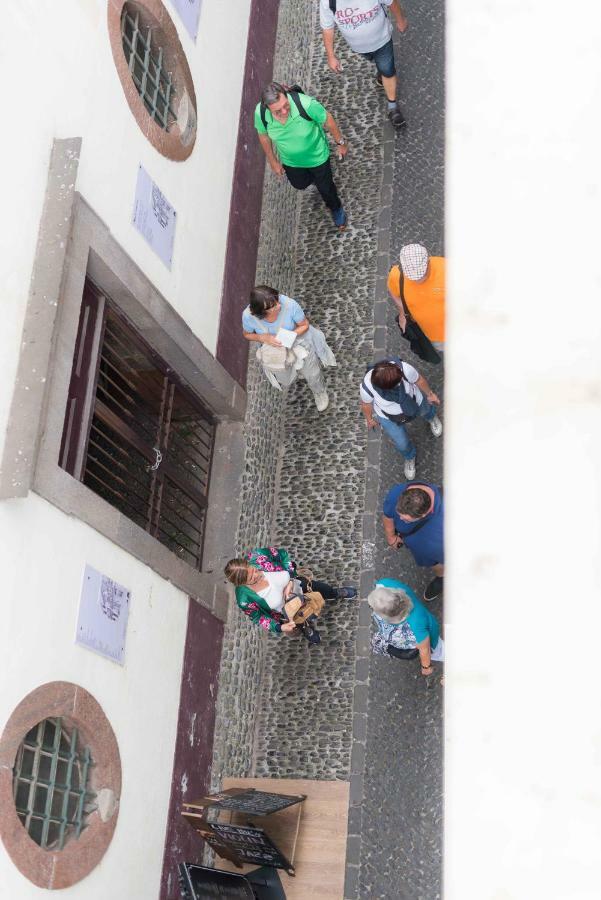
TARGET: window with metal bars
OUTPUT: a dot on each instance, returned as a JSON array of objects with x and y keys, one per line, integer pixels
[
  {"x": 134, "y": 434},
  {"x": 147, "y": 68},
  {"x": 50, "y": 784}
]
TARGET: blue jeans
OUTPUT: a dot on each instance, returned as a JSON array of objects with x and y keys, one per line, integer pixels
[
  {"x": 398, "y": 433},
  {"x": 384, "y": 59}
]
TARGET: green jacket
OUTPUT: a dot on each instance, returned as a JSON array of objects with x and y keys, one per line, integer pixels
[
  {"x": 267, "y": 559},
  {"x": 258, "y": 610}
]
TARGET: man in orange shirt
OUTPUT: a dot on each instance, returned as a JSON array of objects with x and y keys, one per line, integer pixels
[{"x": 423, "y": 291}]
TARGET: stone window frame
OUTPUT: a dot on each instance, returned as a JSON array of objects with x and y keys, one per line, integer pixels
[
  {"x": 72, "y": 243},
  {"x": 178, "y": 142},
  {"x": 54, "y": 869}
]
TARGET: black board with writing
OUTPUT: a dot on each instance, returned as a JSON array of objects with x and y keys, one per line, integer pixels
[
  {"x": 249, "y": 844},
  {"x": 256, "y": 803}
]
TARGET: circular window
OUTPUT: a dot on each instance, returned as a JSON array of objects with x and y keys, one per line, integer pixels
[
  {"x": 51, "y": 783},
  {"x": 154, "y": 74},
  {"x": 60, "y": 783}
]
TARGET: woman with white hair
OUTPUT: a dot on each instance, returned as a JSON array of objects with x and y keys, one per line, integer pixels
[{"x": 405, "y": 627}]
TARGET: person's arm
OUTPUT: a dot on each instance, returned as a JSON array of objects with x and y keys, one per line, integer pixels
[
  {"x": 262, "y": 338},
  {"x": 399, "y": 16},
  {"x": 425, "y": 656},
  {"x": 272, "y": 159},
  {"x": 368, "y": 411},
  {"x": 302, "y": 327},
  {"x": 256, "y": 615},
  {"x": 392, "y": 539},
  {"x": 426, "y": 390},
  {"x": 334, "y": 130},
  {"x": 328, "y": 42}
]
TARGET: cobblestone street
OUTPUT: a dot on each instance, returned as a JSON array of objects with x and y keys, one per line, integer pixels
[{"x": 314, "y": 482}]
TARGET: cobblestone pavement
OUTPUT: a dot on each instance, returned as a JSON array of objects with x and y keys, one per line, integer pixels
[
  {"x": 399, "y": 821},
  {"x": 313, "y": 483},
  {"x": 305, "y": 725}
]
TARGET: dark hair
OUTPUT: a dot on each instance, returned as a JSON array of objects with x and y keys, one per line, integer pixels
[
  {"x": 271, "y": 92},
  {"x": 262, "y": 298},
  {"x": 414, "y": 502},
  {"x": 386, "y": 375}
]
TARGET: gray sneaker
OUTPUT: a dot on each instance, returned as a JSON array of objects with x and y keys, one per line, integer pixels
[
  {"x": 435, "y": 426},
  {"x": 410, "y": 469},
  {"x": 321, "y": 401}
]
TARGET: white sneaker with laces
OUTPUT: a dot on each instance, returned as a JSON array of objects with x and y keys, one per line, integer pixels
[
  {"x": 410, "y": 469},
  {"x": 435, "y": 426},
  {"x": 322, "y": 401}
]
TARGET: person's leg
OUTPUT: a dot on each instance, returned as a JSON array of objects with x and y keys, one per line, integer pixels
[
  {"x": 435, "y": 588},
  {"x": 384, "y": 60},
  {"x": 327, "y": 591},
  {"x": 428, "y": 412},
  {"x": 298, "y": 177},
  {"x": 324, "y": 182},
  {"x": 313, "y": 375},
  {"x": 399, "y": 437}
]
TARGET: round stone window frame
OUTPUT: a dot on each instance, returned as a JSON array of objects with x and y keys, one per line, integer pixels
[
  {"x": 172, "y": 144},
  {"x": 53, "y": 869}
]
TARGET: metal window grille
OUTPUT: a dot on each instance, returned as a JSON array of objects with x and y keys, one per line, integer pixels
[
  {"x": 145, "y": 62},
  {"x": 50, "y": 784},
  {"x": 150, "y": 442}
]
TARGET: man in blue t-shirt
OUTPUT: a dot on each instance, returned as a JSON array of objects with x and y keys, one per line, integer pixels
[{"x": 413, "y": 515}]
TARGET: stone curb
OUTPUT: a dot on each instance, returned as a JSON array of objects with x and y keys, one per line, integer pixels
[{"x": 370, "y": 507}]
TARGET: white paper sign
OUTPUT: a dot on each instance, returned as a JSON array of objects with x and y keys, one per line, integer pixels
[
  {"x": 189, "y": 13},
  {"x": 154, "y": 217},
  {"x": 103, "y": 612}
]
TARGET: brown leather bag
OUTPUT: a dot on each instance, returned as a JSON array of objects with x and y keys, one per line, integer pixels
[{"x": 300, "y": 609}]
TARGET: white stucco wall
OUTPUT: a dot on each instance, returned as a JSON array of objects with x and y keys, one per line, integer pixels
[
  {"x": 523, "y": 481},
  {"x": 66, "y": 85},
  {"x": 42, "y": 569},
  {"x": 57, "y": 58}
]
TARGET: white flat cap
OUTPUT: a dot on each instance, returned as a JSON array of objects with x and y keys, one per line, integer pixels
[{"x": 414, "y": 261}]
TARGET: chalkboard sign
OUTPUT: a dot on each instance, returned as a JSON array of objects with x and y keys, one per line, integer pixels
[
  {"x": 203, "y": 883},
  {"x": 200, "y": 883},
  {"x": 249, "y": 844},
  {"x": 257, "y": 803}
]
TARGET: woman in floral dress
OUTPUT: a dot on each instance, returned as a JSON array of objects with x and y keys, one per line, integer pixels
[{"x": 264, "y": 579}]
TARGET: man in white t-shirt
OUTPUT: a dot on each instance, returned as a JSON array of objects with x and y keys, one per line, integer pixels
[
  {"x": 393, "y": 392},
  {"x": 367, "y": 29}
]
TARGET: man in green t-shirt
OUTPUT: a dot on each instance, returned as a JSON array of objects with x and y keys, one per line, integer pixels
[{"x": 292, "y": 123}]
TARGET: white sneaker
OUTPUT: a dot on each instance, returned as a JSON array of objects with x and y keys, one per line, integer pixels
[
  {"x": 321, "y": 401},
  {"x": 435, "y": 426},
  {"x": 410, "y": 469}
]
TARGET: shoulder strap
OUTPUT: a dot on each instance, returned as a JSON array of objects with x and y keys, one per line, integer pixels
[
  {"x": 301, "y": 109},
  {"x": 425, "y": 520},
  {"x": 333, "y": 6},
  {"x": 393, "y": 359},
  {"x": 408, "y": 315},
  {"x": 293, "y": 93}
]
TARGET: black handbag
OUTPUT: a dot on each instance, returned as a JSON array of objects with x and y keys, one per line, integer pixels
[
  {"x": 400, "y": 653},
  {"x": 420, "y": 344}
]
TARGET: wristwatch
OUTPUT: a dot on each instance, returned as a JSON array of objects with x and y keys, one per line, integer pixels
[{"x": 341, "y": 142}]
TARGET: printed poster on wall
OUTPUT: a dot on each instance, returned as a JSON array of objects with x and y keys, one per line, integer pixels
[
  {"x": 154, "y": 217},
  {"x": 103, "y": 613},
  {"x": 189, "y": 13}
]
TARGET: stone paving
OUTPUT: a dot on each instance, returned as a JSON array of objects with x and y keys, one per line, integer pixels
[{"x": 314, "y": 482}]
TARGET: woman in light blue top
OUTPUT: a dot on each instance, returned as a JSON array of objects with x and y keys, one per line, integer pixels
[
  {"x": 404, "y": 624},
  {"x": 305, "y": 349}
]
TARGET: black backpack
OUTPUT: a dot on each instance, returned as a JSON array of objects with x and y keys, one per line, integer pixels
[
  {"x": 333, "y": 7},
  {"x": 293, "y": 93}
]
